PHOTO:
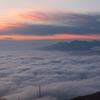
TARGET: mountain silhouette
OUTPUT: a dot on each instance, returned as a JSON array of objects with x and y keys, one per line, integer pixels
[
  {"x": 73, "y": 46},
  {"x": 95, "y": 96}
]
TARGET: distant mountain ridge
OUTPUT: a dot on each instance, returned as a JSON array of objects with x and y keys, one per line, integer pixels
[
  {"x": 95, "y": 96},
  {"x": 75, "y": 45}
]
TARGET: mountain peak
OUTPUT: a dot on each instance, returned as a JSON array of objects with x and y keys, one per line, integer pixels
[{"x": 75, "y": 45}]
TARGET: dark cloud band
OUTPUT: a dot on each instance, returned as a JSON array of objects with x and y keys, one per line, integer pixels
[{"x": 82, "y": 24}]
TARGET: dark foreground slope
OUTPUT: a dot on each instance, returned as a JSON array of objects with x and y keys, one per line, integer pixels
[{"x": 95, "y": 96}]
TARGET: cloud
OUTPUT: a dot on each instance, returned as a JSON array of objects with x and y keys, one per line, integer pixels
[
  {"x": 97, "y": 48},
  {"x": 44, "y": 30},
  {"x": 5, "y": 25},
  {"x": 47, "y": 98},
  {"x": 36, "y": 16},
  {"x": 63, "y": 17},
  {"x": 61, "y": 75},
  {"x": 8, "y": 38},
  {"x": 49, "y": 24}
]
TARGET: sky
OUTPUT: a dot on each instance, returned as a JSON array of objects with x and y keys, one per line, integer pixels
[
  {"x": 49, "y": 19},
  {"x": 28, "y": 24}
]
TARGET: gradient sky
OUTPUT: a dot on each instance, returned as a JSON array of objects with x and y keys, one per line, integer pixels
[{"x": 49, "y": 19}]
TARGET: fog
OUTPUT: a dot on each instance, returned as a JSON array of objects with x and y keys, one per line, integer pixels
[{"x": 61, "y": 75}]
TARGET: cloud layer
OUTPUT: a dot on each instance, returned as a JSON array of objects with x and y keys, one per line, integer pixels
[
  {"x": 61, "y": 75},
  {"x": 47, "y": 24}
]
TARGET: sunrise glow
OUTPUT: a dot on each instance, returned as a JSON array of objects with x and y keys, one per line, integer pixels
[
  {"x": 33, "y": 21},
  {"x": 59, "y": 36}
]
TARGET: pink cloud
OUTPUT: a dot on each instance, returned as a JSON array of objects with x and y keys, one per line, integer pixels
[
  {"x": 4, "y": 25},
  {"x": 60, "y": 16}
]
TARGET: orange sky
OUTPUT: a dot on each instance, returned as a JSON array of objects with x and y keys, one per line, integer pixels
[
  {"x": 59, "y": 36},
  {"x": 21, "y": 20},
  {"x": 5, "y": 25}
]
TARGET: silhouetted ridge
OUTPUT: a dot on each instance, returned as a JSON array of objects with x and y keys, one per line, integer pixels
[
  {"x": 73, "y": 46},
  {"x": 95, "y": 96}
]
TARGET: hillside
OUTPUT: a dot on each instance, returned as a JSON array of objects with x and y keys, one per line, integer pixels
[{"x": 95, "y": 96}]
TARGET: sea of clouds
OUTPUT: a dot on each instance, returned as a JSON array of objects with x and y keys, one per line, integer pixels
[{"x": 61, "y": 75}]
